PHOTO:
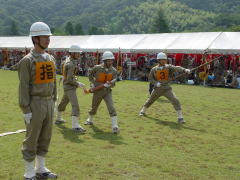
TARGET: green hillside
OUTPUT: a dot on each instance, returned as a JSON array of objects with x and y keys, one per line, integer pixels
[
  {"x": 118, "y": 17},
  {"x": 218, "y": 6}
]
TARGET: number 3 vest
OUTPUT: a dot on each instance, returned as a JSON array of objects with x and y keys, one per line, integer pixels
[{"x": 162, "y": 75}]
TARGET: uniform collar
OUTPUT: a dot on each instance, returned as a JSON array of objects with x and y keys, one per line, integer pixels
[
  {"x": 102, "y": 65},
  {"x": 35, "y": 53},
  {"x": 161, "y": 66}
]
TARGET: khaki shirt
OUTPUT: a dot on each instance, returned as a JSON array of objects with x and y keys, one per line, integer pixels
[
  {"x": 69, "y": 73},
  {"x": 163, "y": 74},
  {"x": 100, "y": 75},
  {"x": 62, "y": 66},
  {"x": 37, "y": 78}
]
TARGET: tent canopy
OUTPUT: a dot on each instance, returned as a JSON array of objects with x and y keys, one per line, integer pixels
[
  {"x": 195, "y": 43},
  {"x": 226, "y": 43},
  {"x": 210, "y": 42},
  {"x": 155, "y": 42}
]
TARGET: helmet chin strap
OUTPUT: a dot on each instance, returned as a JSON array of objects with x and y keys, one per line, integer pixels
[
  {"x": 43, "y": 48},
  {"x": 161, "y": 64},
  {"x": 38, "y": 43},
  {"x": 106, "y": 65}
]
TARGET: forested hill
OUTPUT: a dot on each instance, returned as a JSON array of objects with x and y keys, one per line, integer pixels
[
  {"x": 119, "y": 16},
  {"x": 218, "y": 6}
]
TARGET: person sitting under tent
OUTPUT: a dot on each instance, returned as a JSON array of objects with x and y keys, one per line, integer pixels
[
  {"x": 236, "y": 79},
  {"x": 219, "y": 71}
]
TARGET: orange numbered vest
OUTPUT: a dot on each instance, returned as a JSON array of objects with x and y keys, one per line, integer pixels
[
  {"x": 162, "y": 74},
  {"x": 103, "y": 78}
]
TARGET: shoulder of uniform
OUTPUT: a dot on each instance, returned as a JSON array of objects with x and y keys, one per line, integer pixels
[
  {"x": 155, "y": 67},
  {"x": 98, "y": 66},
  {"x": 25, "y": 62},
  {"x": 26, "y": 59},
  {"x": 66, "y": 60},
  {"x": 168, "y": 65},
  {"x": 52, "y": 57},
  {"x": 28, "y": 56},
  {"x": 69, "y": 63},
  {"x": 114, "y": 69}
]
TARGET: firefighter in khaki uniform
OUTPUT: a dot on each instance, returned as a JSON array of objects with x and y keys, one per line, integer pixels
[
  {"x": 160, "y": 77},
  {"x": 37, "y": 93},
  {"x": 70, "y": 84},
  {"x": 104, "y": 74}
]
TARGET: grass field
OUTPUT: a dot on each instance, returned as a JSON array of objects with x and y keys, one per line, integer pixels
[{"x": 151, "y": 147}]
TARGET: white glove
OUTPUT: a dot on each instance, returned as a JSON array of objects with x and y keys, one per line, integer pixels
[
  {"x": 188, "y": 71},
  {"x": 81, "y": 84},
  {"x": 106, "y": 85},
  {"x": 55, "y": 106},
  {"x": 158, "y": 84},
  {"x": 27, "y": 117}
]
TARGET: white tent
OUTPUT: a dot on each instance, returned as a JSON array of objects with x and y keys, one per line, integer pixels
[
  {"x": 110, "y": 42},
  {"x": 226, "y": 43},
  {"x": 194, "y": 43},
  {"x": 19, "y": 42},
  {"x": 90, "y": 43},
  {"x": 64, "y": 42},
  {"x": 211, "y": 42},
  {"x": 154, "y": 43}
]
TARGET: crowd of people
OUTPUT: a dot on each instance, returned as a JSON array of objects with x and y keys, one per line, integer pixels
[{"x": 224, "y": 71}]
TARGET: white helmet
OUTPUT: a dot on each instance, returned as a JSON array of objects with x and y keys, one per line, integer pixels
[
  {"x": 161, "y": 55},
  {"x": 75, "y": 48},
  {"x": 40, "y": 29},
  {"x": 107, "y": 55}
]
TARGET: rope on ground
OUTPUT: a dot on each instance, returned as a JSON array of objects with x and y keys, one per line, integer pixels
[{"x": 16, "y": 132}]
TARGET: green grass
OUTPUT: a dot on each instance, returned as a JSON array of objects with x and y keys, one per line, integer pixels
[{"x": 151, "y": 147}]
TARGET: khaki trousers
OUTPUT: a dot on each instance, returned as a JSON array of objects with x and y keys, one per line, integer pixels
[
  {"x": 70, "y": 95},
  {"x": 39, "y": 131},
  {"x": 168, "y": 93},
  {"x": 98, "y": 96}
]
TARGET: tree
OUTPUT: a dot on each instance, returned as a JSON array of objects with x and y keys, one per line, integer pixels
[
  {"x": 115, "y": 28},
  {"x": 160, "y": 24},
  {"x": 227, "y": 20},
  {"x": 78, "y": 29},
  {"x": 93, "y": 30},
  {"x": 235, "y": 28},
  {"x": 52, "y": 30},
  {"x": 14, "y": 29},
  {"x": 69, "y": 28},
  {"x": 100, "y": 31},
  {"x": 59, "y": 32}
]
